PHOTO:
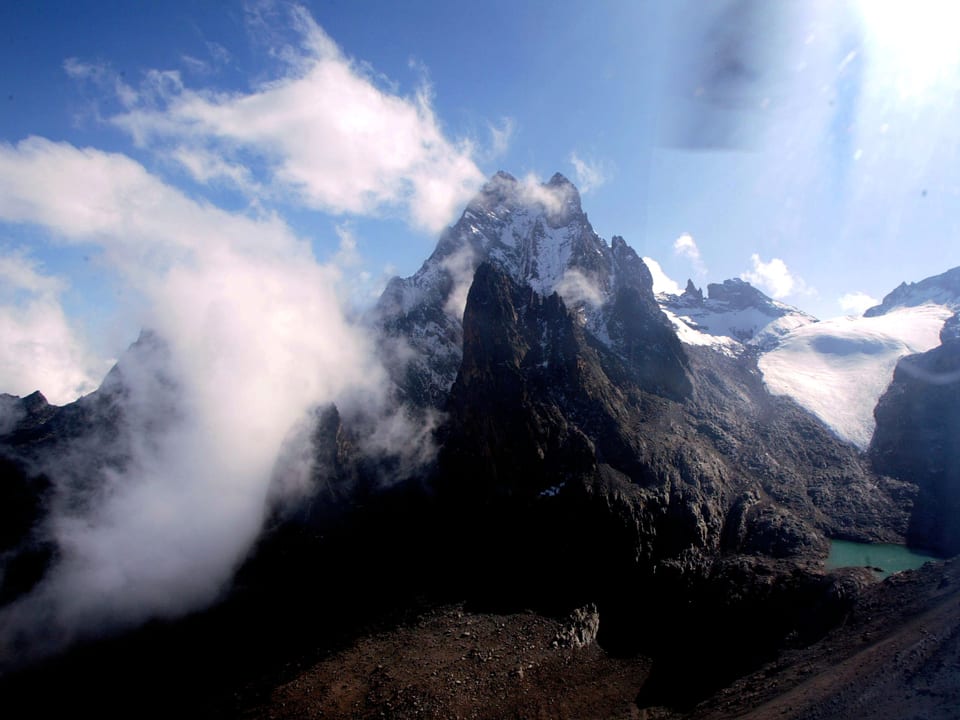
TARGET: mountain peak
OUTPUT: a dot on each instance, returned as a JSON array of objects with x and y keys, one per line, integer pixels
[
  {"x": 692, "y": 293},
  {"x": 738, "y": 294},
  {"x": 539, "y": 236},
  {"x": 942, "y": 289},
  {"x": 557, "y": 200}
]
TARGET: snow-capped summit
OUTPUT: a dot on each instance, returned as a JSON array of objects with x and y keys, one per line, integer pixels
[
  {"x": 535, "y": 232},
  {"x": 943, "y": 289},
  {"x": 734, "y": 314}
]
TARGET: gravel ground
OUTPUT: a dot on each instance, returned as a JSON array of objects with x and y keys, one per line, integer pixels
[{"x": 454, "y": 664}]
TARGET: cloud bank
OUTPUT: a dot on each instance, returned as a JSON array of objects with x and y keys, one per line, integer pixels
[
  {"x": 256, "y": 338},
  {"x": 324, "y": 134},
  {"x": 251, "y": 330}
]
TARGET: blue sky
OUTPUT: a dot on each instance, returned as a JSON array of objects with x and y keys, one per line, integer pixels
[{"x": 807, "y": 146}]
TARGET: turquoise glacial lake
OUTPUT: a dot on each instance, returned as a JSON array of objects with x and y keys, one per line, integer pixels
[{"x": 883, "y": 558}]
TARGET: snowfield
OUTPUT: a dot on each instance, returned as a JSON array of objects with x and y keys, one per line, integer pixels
[
  {"x": 838, "y": 369},
  {"x": 729, "y": 330},
  {"x": 689, "y": 333}
]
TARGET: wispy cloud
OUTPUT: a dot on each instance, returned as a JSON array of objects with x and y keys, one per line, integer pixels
[
  {"x": 856, "y": 303},
  {"x": 326, "y": 133},
  {"x": 686, "y": 246},
  {"x": 347, "y": 254},
  {"x": 500, "y": 137},
  {"x": 577, "y": 289},
  {"x": 80, "y": 70},
  {"x": 775, "y": 278},
  {"x": 589, "y": 174},
  {"x": 460, "y": 265},
  {"x": 209, "y": 168},
  {"x": 217, "y": 58}
]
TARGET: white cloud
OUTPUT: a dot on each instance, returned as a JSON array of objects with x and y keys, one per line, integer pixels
[
  {"x": 257, "y": 337},
  {"x": 856, "y": 303},
  {"x": 686, "y": 246},
  {"x": 775, "y": 278},
  {"x": 208, "y": 167},
  {"x": 589, "y": 175},
  {"x": 325, "y": 133},
  {"x": 553, "y": 198},
  {"x": 577, "y": 289},
  {"x": 40, "y": 349},
  {"x": 461, "y": 265},
  {"x": 661, "y": 282}
]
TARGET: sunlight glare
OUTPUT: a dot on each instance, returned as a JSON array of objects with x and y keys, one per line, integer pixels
[{"x": 915, "y": 42}]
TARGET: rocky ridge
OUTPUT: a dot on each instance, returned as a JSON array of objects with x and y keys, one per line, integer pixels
[
  {"x": 942, "y": 289},
  {"x": 733, "y": 316}
]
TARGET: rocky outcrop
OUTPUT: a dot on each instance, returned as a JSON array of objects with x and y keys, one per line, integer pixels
[
  {"x": 692, "y": 295},
  {"x": 580, "y": 628},
  {"x": 918, "y": 425},
  {"x": 738, "y": 294}
]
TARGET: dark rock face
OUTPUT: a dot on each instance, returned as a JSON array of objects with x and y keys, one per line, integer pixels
[
  {"x": 951, "y": 329},
  {"x": 520, "y": 351},
  {"x": 737, "y": 293},
  {"x": 916, "y": 440},
  {"x": 640, "y": 332},
  {"x": 25, "y": 554}
]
